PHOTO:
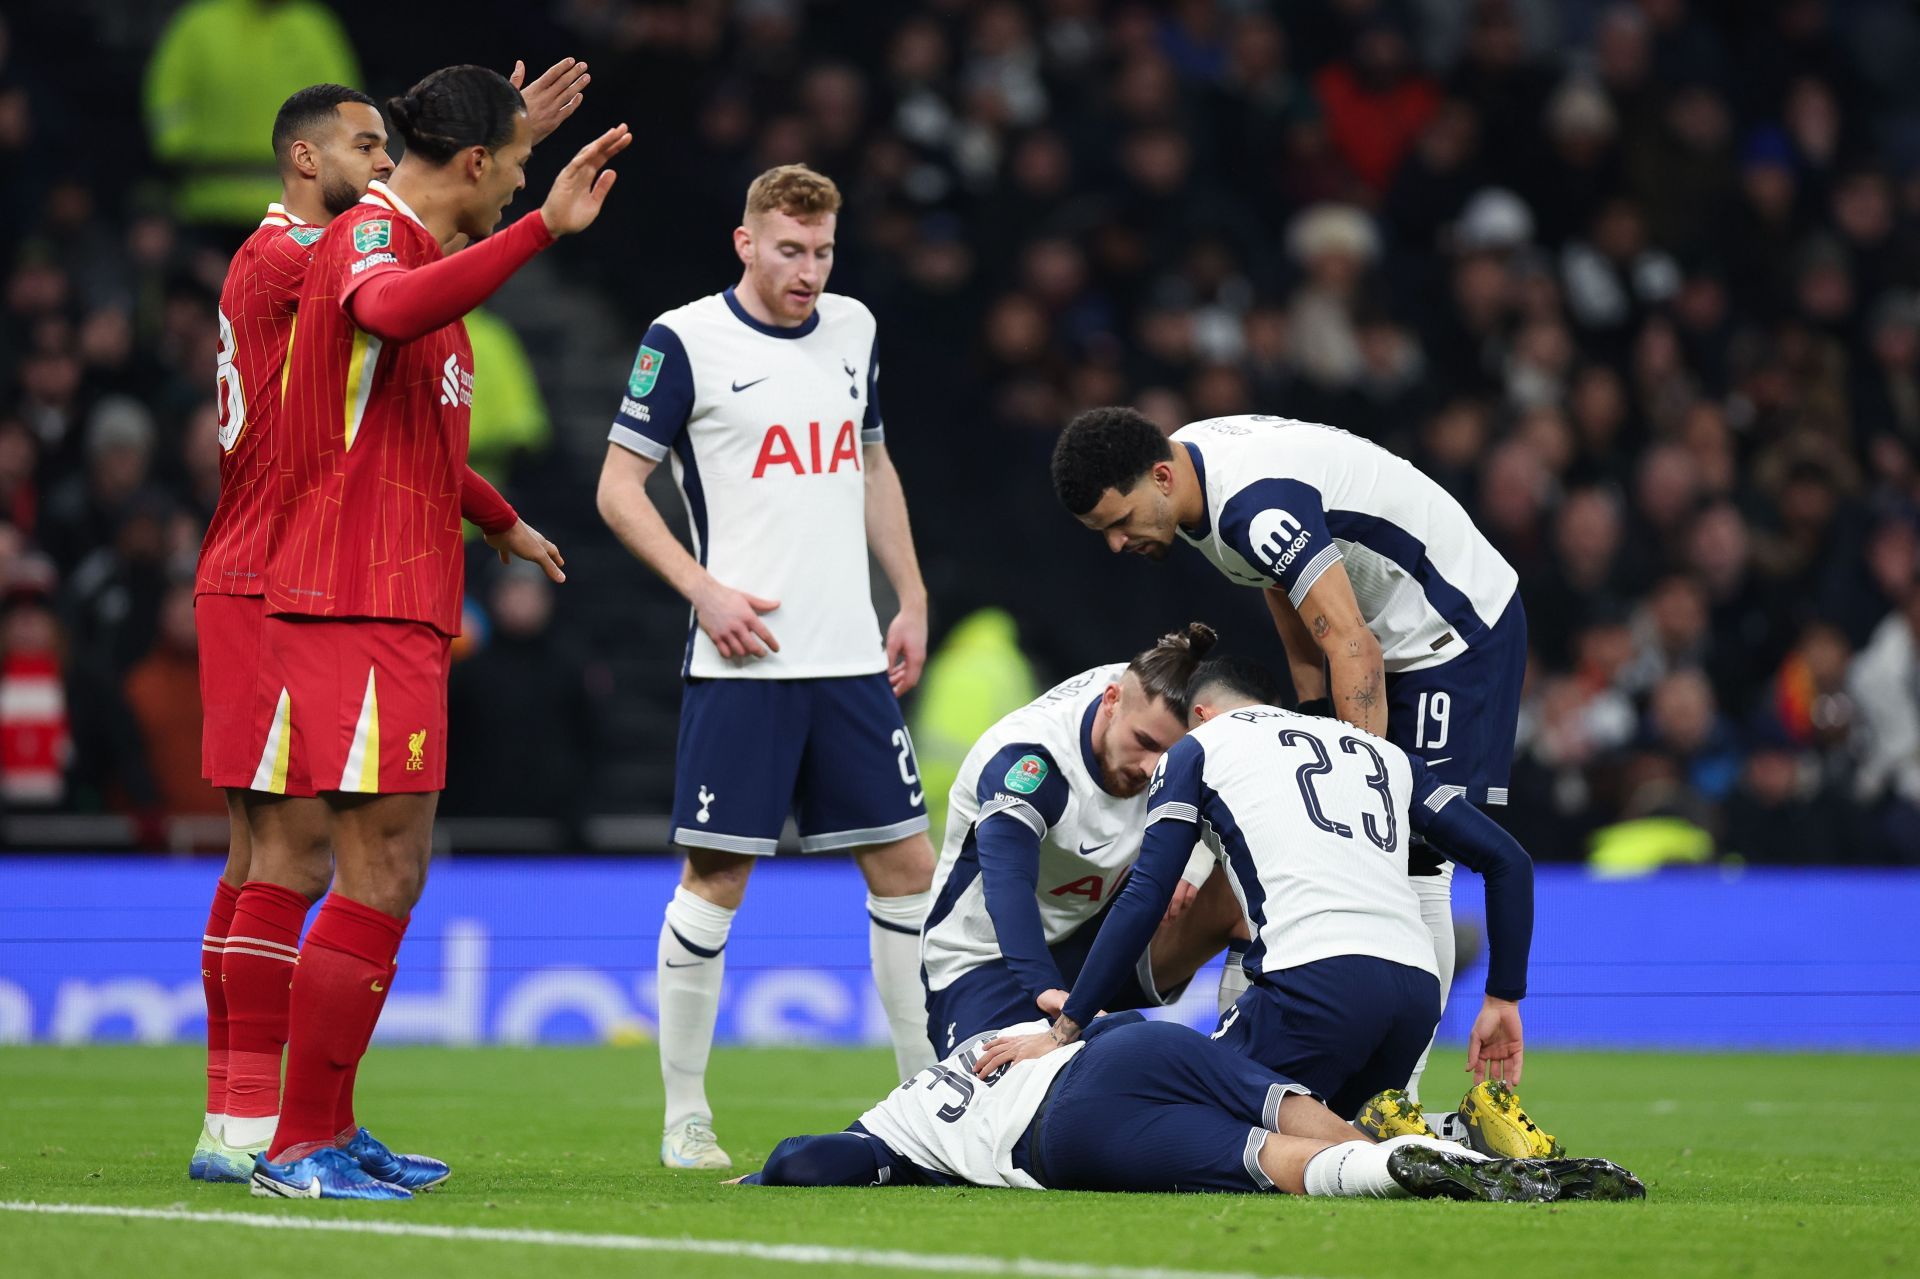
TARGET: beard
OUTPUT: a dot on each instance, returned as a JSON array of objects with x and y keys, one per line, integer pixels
[{"x": 338, "y": 195}]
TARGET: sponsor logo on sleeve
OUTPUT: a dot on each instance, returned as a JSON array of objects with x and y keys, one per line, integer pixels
[
  {"x": 375, "y": 234},
  {"x": 1277, "y": 540},
  {"x": 646, "y": 371},
  {"x": 1027, "y": 773},
  {"x": 630, "y": 407},
  {"x": 372, "y": 260}
]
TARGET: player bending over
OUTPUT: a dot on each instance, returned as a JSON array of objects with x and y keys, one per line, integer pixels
[
  {"x": 1154, "y": 1106},
  {"x": 1045, "y": 820},
  {"x": 1311, "y": 817},
  {"x": 1396, "y": 613}
]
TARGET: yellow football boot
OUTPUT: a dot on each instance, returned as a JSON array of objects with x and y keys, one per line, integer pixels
[
  {"x": 1392, "y": 1114},
  {"x": 1497, "y": 1126}
]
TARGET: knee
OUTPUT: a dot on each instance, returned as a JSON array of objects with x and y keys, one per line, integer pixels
[
  {"x": 388, "y": 876},
  {"x": 720, "y": 879},
  {"x": 899, "y": 869}
]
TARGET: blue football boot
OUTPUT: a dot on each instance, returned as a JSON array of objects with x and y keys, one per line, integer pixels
[
  {"x": 412, "y": 1172},
  {"x": 327, "y": 1173}
]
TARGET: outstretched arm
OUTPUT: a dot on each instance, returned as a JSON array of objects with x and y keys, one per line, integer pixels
[
  {"x": 397, "y": 305},
  {"x": 1356, "y": 677},
  {"x": 1305, "y": 662},
  {"x": 1468, "y": 836}
]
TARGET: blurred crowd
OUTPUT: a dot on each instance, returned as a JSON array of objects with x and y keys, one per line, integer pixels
[{"x": 1638, "y": 281}]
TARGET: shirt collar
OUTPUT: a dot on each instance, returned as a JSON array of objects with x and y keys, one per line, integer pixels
[
  {"x": 1201, "y": 531},
  {"x": 800, "y": 330},
  {"x": 279, "y": 215},
  {"x": 381, "y": 194},
  {"x": 1087, "y": 756}
]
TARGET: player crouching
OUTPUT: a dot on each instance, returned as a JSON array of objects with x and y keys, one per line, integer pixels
[{"x": 1152, "y": 1106}]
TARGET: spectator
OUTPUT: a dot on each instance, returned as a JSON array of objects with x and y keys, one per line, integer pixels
[
  {"x": 163, "y": 692},
  {"x": 1376, "y": 103},
  {"x": 1885, "y": 685},
  {"x": 522, "y": 704},
  {"x": 219, "y": 73}
]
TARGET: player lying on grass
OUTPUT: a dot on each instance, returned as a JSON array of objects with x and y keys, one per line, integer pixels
[
  {"x": 1311, "y": 817},
  {"x": 1153, "y": 1106},
  {"x": 1045, "y": 819}
]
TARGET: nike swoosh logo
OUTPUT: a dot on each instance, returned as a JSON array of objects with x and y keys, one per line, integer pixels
[
  {"x": 692, "y": 963},
  {"x": 377, "y": 988},
  {"x": 1085, "y": 851},
  {"x": 1444, "y": 759},
  {"x": 916, "y": 797},
  {"x": 741, "y": 386}
]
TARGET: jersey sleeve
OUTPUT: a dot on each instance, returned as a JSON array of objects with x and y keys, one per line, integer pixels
[
  {"x": 367, "y": 248},
  {"x": 872, "y": 429},
  {"x": 1174, "y": 793},
  {"x": 1464, "y": 834},
  {"x": 1023, "y": 781},
  {"x": 659, "y": 398},
  {"x": 1281, "y": 527}
]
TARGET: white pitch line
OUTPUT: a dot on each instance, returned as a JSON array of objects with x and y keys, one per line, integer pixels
[{"x": 793, "y": 1254}]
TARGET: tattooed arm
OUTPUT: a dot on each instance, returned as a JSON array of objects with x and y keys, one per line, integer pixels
[
  {"x": 1305, "y": 662},
  {"x": 1356, "y": 680}
]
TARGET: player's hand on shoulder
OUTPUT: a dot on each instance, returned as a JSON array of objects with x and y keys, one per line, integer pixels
[
  {"x": 1495, "y": 1047},
  {"x": 577, "y": 194},
  {"x": 553, "y": 97},
  {"x": 526, "y": 542},
  {"x": 731, "y": 620},
  {"x": 907, "y": 651},
  {"x": 996, "y": 1053}
]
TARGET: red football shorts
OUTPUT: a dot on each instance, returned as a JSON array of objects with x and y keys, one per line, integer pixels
[
  {"x": 233, "y": 723},
  {"x": 357, "y": 706}
]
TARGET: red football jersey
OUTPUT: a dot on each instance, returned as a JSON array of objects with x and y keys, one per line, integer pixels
[
  {"x": 373, "y": 441},
  {"x": 257, "y": 305}
]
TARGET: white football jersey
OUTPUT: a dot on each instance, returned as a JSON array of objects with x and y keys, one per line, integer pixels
[
  {"x": 948, "y": 1121},
  {"x": 763, "y": 427},
  {"x": 1286, "y": 500},
  {"x": 1311, "y": 817},
  {"x": 1037, "y": 766}
]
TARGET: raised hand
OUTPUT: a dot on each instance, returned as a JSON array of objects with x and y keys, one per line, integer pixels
[
  {"x": 553, "y": 97},
  {"x": 577, "y": 194},
  {"x": 525, "y": 541}
]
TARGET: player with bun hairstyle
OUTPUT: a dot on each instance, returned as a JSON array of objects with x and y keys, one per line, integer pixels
[
  {"x": 331, "y": 145},
  {"x": 365, "y": 566},
  {"x": 1045, "y": 823}
]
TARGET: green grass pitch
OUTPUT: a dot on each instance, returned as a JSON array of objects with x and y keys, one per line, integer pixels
[{"x": 1755, "y": 1165}]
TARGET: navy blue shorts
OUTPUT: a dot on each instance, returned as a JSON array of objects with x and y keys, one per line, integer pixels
[
  {"x": 1156, "y": 1106},
  {"x": 1460, "y": 718},
  {"x": 1345, "y": 1027},
  {"x": 990, "y": 997},
  {"x": 834, "y": 753}
]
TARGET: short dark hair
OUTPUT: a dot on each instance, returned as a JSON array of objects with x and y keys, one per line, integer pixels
[
  {"x": 1166, "y": 670},
  {"x": 455, "y": 108},
  {"x": 1241, "y": 676},
  {"x": 306, "y": 111},
  {"x": 1104, "y": 449}
]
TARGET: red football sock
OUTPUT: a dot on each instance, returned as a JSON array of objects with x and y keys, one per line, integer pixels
[
  {"x": 344, "y": 1124},
  {"x": 212, "y": 943},
  {"x": 341, "y": 980},
  {"x": 258, "y": 967}
]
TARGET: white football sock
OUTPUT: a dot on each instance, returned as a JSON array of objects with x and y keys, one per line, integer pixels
[
  {"x": 1451, "y": 1126},
  {"x": 1436, "y": 911},
  {"x": 215, "y": 1123},
  {"x": 893, "y": 943},
  {"x": 1233, "y": 976},
  {"x": 1353, "y": 1170},
  {"x": 245, "y": 1133},
  {"x": 690, "y": 964}
]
